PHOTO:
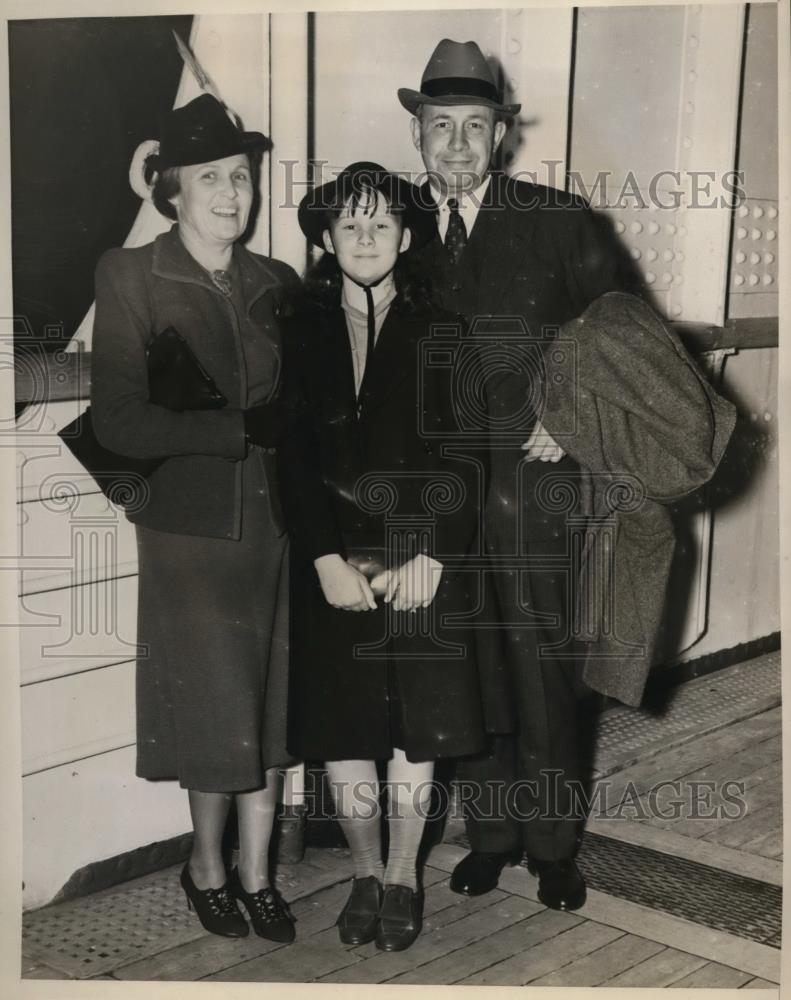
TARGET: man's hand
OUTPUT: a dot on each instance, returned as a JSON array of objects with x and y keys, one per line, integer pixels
[
  {"x": 541, "y": 447},
  {"x": 342, "y": 585},
  {"x": 414, "y": 585}
]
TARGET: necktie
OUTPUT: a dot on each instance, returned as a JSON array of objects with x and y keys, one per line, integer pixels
[{"x": 456, "y": 235}]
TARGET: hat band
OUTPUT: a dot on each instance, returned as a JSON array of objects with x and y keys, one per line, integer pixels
[{"x": 459, "y": 86}]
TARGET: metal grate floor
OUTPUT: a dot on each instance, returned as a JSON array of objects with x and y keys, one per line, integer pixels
[
  {"x": 702, "y": 705},
  {"x": 719, "y": 900},
  {"x": 95, "y": 934}
]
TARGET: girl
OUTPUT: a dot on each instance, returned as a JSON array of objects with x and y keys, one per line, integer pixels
[{"x": 375, "y": 511}]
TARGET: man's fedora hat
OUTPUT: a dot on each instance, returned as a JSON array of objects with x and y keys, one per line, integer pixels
[
  {"x": 457, "y": 73},
  {"x": 359, "y": 179},
  {"x": 199, "y": 132}
]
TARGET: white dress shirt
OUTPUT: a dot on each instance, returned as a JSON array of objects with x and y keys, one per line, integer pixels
[{"x": 469, "y": 204}]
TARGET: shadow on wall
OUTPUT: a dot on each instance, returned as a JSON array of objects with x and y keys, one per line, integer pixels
[{"x": 83, "y": 93}]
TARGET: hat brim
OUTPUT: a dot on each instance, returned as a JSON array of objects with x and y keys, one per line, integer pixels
[
  {"x": 412, "y": 99},
  {"x": 247, "y": 142}
]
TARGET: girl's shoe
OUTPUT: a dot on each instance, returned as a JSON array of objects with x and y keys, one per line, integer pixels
[
  {"x": 357, "y": 921},
  {"x": 269, "y": 913},
  {"x": 400, "y": 917},
  {"x": 216, "y": 908}
]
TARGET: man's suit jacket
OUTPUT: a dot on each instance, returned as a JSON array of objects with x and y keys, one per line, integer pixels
[{"x": 536, "y": 256}]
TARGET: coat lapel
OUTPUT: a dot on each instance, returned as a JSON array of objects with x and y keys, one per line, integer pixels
[
  {"x": 172, "y": 260},
  {"x": 502, "y": 229},
  {"x": 395, "y": 358}
]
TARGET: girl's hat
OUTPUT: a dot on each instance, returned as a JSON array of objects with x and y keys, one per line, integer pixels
[{"x": 357, "y": 180}]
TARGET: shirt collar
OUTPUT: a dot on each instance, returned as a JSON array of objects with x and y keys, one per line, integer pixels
[
  {"x": 379, "y": 308},
  {"x": 467, "y": 199}
]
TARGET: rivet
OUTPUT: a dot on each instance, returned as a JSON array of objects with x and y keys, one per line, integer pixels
[
  {"x": 771, "y": 235},
  {"x": 676, "y": 310},
  {"x": 667, "y": 277},
  {"x": 743, "y": 211},
  {"x": 767, "y": 416},
  {"x": 740, "y": 257},
  {"x": 758, "y": 212},
  {"x": 635, "y": 253},
  {"x": 738, "y": 279},
  {"x": 636, "y": 227},
  {"x": 755, "y": 258},
  {"x": 668, "y": 255},
  {"x": 687, "y": 142},
  {"x": 651, "y": 254},
  {"x": 650, "y": 277},
  {"x": 678, "y": 279},
  {"x": 753, "y": 279},
  {"x": 769, "y": 258},
  {"x": 670, "y": 229},
  {"x": 741, "y": 233},
  {"x": 679, "y": 255},
  {"x": 772, "y": 212},
  {"x": 653, "y": 228},
  {"x": 619, "y": 227},
  {"x": 755, "y": 234},
  {"x": 767, "y": 279}
]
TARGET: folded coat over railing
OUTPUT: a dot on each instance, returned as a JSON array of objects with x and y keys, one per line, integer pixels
[{"x": 648, "y": 429}]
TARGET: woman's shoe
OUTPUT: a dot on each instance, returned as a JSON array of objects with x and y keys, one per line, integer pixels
[
  {"x": 357, "y": 921},
  {"x": 400, "y": 917},
  {"x": 216, "y": 908},
  {"x": 268, "y": 911}
]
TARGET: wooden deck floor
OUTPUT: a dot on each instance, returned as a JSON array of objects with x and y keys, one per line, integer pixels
[{"x": 507, "y": 937}]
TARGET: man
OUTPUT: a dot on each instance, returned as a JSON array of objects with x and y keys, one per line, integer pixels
[{"x": 506, "y": 248}]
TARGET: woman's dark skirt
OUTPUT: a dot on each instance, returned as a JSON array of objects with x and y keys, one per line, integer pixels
[{"x": 212, "y": 687}]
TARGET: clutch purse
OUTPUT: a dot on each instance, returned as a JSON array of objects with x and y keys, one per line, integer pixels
[{"x": 177, "y": 381}]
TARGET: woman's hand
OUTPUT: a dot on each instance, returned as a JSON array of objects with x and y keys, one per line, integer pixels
[
  {"x": 342, "y": 585},
  {"x": 541, "y": 446},
  {"x": 414, "y": 585}
]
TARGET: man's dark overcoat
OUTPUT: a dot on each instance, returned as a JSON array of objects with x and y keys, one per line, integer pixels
[{"x": 535, "y": 259}]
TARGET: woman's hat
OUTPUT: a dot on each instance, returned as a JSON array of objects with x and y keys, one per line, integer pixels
[
  {"x": 457, "y": 73},
  {"x": 199, "y": 132},
  {"x": 357, "y": 179}
]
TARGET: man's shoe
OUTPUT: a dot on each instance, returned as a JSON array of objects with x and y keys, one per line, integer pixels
[
  {"x": 478, "y": 872},
  {"x": 357, "y": 920},
  {"x": 400, "y": 917},
  {"x": 560, "y": 883}
]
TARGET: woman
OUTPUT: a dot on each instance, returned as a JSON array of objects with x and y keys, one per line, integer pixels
[
  {"x": 211, "y": 546},
  {"x": 370, "y": 680}
]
